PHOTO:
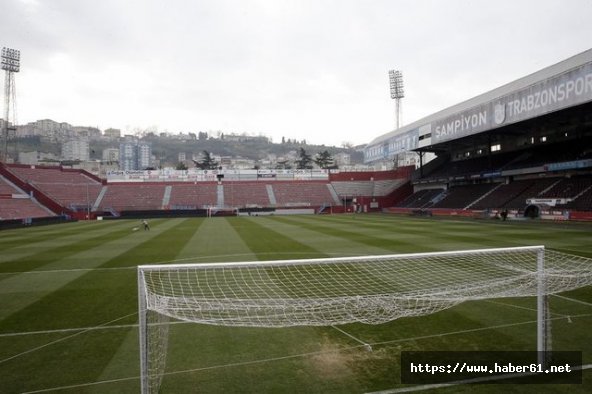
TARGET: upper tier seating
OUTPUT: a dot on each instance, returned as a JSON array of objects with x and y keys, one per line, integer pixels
[{"x": 51, "y": 175}]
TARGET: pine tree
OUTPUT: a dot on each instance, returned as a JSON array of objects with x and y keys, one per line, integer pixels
[
  {"x": 304, "y": 160},
  {"x": 324, "y": 159}
]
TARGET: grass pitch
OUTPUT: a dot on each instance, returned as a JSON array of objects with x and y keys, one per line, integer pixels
[{"x": 68, "y": 306}]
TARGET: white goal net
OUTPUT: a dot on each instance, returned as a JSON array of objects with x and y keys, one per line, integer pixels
[{"x": 335, "y": 291}]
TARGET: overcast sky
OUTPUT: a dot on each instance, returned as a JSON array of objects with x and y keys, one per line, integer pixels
[{"x": 307, "y": 69}]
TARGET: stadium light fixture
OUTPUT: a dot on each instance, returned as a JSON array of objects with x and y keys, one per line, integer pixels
[
  {"x": 397, "y": 92},
  {"x": 10, "y": 63},
  {"x": 11, "y": 60}
]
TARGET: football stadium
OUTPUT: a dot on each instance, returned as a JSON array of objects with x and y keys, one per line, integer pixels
[{"x": 316, "y": 280}]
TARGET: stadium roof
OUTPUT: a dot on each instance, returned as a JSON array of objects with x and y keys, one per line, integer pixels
[{"x": 488, "y": 97}]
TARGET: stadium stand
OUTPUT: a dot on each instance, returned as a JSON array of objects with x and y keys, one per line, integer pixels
[
  {"x": 138, "y": 197},
  {"x": 52, "y": 175},
  {"x": 8, "y": 189},
  {"x": 367, "y": 188},
  {"x": 503, "y": 149},
  {"x": 421, "y": 199},
  {"x": 246, "y": 194},
  {"x": 72, "y": 189},
  {"x": 463, "y": 196},
  {"x": 21, "y": 208},
  {"x": 193, "y": 196},
  {"x": 534, "y": 187},
  {"x": 582, "y": 202},
  {"x": 15, "y": 204},
  {"x": 568, "y": 187},
  {"x": 303, "y": 194}
]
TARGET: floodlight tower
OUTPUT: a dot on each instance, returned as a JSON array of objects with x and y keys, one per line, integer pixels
[
  {"x": 11, "y": 63},
  {"x": 397, "y": 93}
]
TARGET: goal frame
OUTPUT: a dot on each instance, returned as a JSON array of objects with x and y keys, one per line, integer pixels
[{"x": 542, "y": 330}]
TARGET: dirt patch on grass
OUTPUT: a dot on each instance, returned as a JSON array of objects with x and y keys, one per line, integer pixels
[
  {"x": 335, "y": 362},
  {"x": 332, "y": 363}
]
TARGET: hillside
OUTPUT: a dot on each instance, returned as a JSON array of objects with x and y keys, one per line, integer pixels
[{"x": 167, "y": 149}]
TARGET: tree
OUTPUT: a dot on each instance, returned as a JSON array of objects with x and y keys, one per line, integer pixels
[
  {"x": 181, "y": 166},
  {"x": 324, "y": 160},
  {"x": 207, "y": 162},
  {"x": 304, "y": 160}
]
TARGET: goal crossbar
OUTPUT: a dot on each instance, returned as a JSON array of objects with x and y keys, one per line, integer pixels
[{"x": 335, "y": 260}]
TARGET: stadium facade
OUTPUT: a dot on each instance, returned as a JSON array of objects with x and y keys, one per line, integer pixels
[{"x": 558, "y": 88}]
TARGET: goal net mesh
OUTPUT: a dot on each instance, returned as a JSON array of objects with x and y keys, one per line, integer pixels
[
  {"x": 335, "y": 291},
  {"x": 372, "y": 290}
]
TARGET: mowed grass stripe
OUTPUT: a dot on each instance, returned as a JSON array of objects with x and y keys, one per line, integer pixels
[
  {"x": 385, "y": 240},
  {"x": 268, "y": 244},
  {"x": 123, "y": 364},
  {"x": 215, "y": 241},
  {"x": 72, "y": 361},
  {"x": 20, "y": 290},
  {"x": 31, "y": 288},
  {"x": 21, "y": 249},
  {"x": 162, "y": 248},
  {"x": 473, "y": 234},
  {"x": 93, "y": 299},
  {"x": 328, "y": 244},
  {"x": 37, "y": 256},
  {"x": 42, "y": 233},
  {"x": 445, "y": 236}
]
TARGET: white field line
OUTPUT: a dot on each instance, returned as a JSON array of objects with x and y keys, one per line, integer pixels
[
  {"x": 572, "y": 299},
  {"x": 365, "y": 344},
  {"x": 95, "y": 328},
  {"x": 523, "y": 307},
  {"x": 60, "y": 340}
]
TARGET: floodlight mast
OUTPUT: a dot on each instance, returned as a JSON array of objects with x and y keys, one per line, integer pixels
[
  {"x": 397, "y": 93},
  {"x": 11, "y": 63}
]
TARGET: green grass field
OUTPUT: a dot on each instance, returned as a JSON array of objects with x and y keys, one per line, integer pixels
[{"x": 68, "y": 306}]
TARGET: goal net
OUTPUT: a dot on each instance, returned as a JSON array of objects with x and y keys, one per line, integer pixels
[{"x": 335, "y": 291}]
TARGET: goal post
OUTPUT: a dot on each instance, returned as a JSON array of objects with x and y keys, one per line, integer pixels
[{"x": 336, "y": 291}]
